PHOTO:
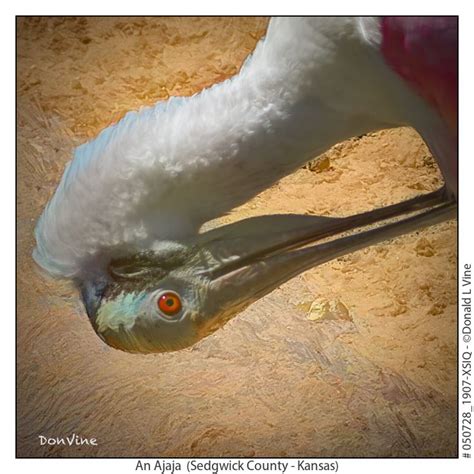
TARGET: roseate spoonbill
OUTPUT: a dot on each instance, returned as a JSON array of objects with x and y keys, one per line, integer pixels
[{"x": 124, "y": 221}]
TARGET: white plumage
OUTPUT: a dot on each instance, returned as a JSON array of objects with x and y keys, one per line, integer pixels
[{"x": 162, "y": 172}]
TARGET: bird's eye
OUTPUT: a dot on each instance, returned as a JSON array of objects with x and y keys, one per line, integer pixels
[{"x": 169, "y": 303}]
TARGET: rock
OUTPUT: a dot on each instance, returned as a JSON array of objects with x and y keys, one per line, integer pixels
[
  {"x": 424, "y": 248},
  {"x": 319, "y": 164},
  {"x": 324, "y": 310}
]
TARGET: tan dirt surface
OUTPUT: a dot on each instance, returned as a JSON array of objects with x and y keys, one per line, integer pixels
[{"x": 354, "y": 358}]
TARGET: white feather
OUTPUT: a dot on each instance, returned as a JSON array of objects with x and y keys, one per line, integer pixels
[{"x": 162, "y": 172}]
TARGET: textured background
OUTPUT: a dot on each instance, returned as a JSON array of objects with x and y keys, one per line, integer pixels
[{"x": 354, "y": 358}]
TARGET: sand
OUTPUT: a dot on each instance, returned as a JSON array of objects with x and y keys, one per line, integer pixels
[{"x": 354, "y": 358}]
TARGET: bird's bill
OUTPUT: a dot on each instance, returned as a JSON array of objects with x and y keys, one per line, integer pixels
[{"x": 257, "y": 255}]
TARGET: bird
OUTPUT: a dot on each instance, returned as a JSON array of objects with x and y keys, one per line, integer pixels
[{"x": 125, "y": 223}]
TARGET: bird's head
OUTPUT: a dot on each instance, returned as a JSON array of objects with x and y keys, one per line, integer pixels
[{"x": 170, "y": 298}]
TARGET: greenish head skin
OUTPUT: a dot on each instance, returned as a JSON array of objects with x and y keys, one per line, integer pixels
[
  {"x": 125, "y": 312},
  {"x": 132, "y": 320},
  {"x": 219, "y": 273}
]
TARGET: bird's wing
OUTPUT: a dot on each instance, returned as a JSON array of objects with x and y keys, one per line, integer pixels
[{"x": 424, "y": 51}]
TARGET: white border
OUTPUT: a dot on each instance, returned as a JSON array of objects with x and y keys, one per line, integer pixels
[{"x": 203, "y": 7}]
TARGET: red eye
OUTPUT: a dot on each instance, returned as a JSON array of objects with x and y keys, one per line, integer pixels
[{"x": 169, "y": 303}]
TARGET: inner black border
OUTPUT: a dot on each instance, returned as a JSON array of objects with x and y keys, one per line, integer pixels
[{"x": 17, "y": 456}]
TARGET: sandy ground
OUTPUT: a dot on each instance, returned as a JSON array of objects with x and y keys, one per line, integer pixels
[{"x": 354, "y": 358}]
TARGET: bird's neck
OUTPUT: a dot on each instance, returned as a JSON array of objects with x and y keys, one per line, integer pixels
[
  {"x": 252, "y": 130},
  {"x": 283, "y": 109}
]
